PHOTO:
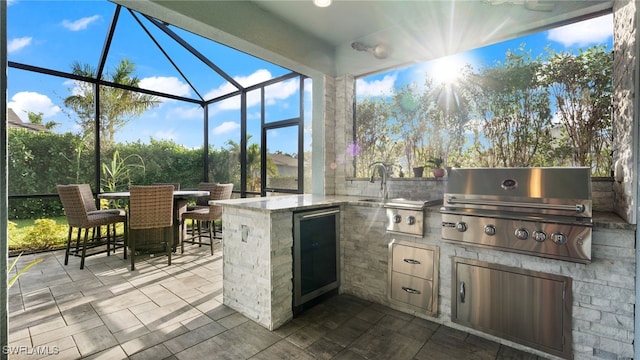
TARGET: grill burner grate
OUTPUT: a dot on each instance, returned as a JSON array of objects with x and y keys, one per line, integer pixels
[{"x": 537, "y": 211}]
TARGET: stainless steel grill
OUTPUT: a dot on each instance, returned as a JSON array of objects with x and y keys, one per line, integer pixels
[{"x": 537, "y": 211}]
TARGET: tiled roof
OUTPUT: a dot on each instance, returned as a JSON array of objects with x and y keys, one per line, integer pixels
[{"x": 15, "y": 123}]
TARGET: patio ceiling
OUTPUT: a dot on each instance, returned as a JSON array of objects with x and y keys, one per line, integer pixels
[{"x": 305, "y": 38}]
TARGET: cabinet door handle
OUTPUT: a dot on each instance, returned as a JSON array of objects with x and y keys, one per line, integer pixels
[
  {"x": 410, "y": 290},
  {"x": 411, "y": 261},
  {"x": 462, "y": 292},
  {"x": 319, "y": 214}
]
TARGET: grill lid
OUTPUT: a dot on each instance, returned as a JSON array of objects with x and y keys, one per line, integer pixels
[{"x": 553, "y": 191}]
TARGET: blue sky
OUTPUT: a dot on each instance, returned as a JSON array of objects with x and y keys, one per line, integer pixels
[
  {"x": 597, "y": 31},
  {"x": 53, "y": 34}
]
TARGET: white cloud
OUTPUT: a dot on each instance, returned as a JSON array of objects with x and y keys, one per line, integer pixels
[
  {"x": 170, "y": 85},
  {"x": 18, "y": 43},
  {"x": 26, "y": 101},
  {"x": 278, "y": 91},
  {"x": 80, "y": 24},
  {"x": 375, "y": 87},
  {"x": 593, "y": 31},
  {"x": 225, "y": 127},
  {"x": 185, "y": 113}
]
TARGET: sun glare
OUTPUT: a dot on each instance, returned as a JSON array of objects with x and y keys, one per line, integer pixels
[{"x": 446, "y": 70}]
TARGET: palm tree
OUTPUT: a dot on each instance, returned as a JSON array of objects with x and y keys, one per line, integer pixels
[{"x": 117, "y": 106}]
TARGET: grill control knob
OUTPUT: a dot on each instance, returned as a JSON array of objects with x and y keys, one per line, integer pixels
[
  {"x": 397, "y": 219},
  {"x": 559, "y": 238},
  {"x": 411, "y": 220},
  {"x": 461, "y": 226},
  {"x": 539, "y": 236},
  {"x": 522, "y": 233},
  {"x": 490, "y": 230}
]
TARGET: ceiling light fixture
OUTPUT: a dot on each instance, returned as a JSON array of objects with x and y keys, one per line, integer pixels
[
  {"x": 379, "y": 51},
  {"x": 321, "y": 3}
]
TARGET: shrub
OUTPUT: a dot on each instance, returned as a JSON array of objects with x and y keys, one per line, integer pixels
[{"x": 44, "y": 234}]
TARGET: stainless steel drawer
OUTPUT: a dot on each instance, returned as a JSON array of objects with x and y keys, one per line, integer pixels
[
  {"x": 413, "y": 261},
  {"x": 411, "y": 290}
]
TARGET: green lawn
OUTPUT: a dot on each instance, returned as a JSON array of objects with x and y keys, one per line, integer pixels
[{"x": 27, "y": 236}]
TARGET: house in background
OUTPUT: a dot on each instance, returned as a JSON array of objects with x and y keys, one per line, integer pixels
[
  {"x": 15, "y": 122},
  {"x": 286, "y": 165}
]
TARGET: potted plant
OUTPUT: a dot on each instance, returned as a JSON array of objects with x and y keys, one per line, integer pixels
[
  {"x": 417, "y": 171},
  {"x": 438, "y": 171}
]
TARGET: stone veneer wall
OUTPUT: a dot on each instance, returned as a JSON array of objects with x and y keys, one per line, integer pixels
[
  {"x": 603, "y": 291},
  {"x": 408, "y": 188},
  {"x": 331, "y": 133},
  {"x": 625, "y": 83},
  {"x": 343, "y": 124},
  {"x": 264, "y": 260}
]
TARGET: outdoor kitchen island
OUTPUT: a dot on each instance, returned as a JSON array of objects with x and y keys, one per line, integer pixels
[
  {"x": 258, "y": 270},
  {"x": 257, "y": 254}
]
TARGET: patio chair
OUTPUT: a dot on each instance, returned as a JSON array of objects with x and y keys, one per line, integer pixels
[
  {"x": 90, "y": 206},
  {"x": 202, "y": 202},
  {"x": 176, "y": 186},
  {"x": 206, "y": 215},
  {"x": 151, "y": 220},
  {"x": 81, "y": 218}
]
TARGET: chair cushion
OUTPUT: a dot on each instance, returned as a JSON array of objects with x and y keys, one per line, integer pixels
[
  {"x": 198, "y": 214},
  {"x": 121, "y": 212}
]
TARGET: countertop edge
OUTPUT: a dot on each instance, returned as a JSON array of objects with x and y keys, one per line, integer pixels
[{"x": 290, "y": 203}]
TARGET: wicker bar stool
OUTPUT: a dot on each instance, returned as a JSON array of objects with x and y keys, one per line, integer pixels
[
  {"x": 92, "y": 209},
  {"x": 151, "y": 220},
  {"x": 176, "y": 186},
  {"x": 205, "y": 215},
  {"x": 80, "y": 218}
]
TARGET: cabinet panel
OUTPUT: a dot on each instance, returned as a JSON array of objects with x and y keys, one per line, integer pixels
[
  {"x": 413, "y": 276},
  {"x": 413, "y": 261},
  {"x": 528, "y": 307},
  {"x": 411, "y": 290}
]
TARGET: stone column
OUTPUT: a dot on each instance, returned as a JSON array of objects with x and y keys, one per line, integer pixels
[
  {"x": 625, "y": 105},
  {"x": 342, "y": 128}
]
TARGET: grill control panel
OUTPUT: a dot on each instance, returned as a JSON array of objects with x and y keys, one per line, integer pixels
[{"x": 554, "y": 240}]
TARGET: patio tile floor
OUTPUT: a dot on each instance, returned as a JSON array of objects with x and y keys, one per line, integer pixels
[{"x": 175, "y": 312}]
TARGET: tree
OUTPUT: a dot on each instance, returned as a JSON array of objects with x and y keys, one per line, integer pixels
[
  {"x": 37, "y": 118},
  {"x": 409, "y": 113},
  {"x": 375, "y": 140},
  {"x": 117, "y": 106},
  {"x": 448, "y": 116},
  {"x": 581, "y": 86},
  {"x": 253, "y": 163},
  {"x": 516, "y": 111}
]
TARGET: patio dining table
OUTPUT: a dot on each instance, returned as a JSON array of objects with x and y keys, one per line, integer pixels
[{"x": 180, "y": 198}]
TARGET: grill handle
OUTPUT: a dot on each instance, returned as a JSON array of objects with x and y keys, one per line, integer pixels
[{"x": 578, "y": 208}]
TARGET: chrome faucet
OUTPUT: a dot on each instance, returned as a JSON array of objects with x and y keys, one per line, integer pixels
[{"x": 381, "y": 168}]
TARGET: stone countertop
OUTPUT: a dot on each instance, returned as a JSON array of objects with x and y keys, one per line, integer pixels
[
  {"x": 609, "y": 220},
  {"x": 286, "y": 202},
  {"x": 301, "y": 202},
  {"x": 309, "y": 201}
]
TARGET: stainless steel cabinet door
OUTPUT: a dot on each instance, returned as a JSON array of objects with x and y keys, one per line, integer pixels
[{"x": 528, "y": 307}]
